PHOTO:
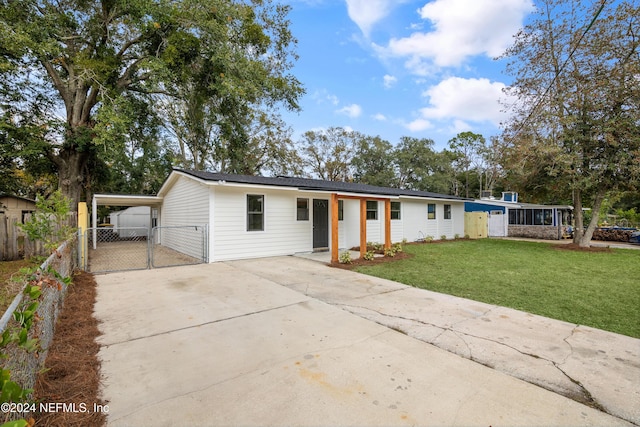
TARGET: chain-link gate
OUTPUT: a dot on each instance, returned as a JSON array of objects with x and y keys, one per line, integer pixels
[
  {"x": 178, "y": 245},
  {"x": 135, "y": 248}
]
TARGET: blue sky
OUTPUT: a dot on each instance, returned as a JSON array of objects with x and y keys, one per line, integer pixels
[{"x": 405, "y": 67}]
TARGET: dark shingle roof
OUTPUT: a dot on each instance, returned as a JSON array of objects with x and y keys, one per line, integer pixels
[{"x": 316, "y": 184}]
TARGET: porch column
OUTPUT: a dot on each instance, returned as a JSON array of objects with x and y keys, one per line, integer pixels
[
  {"x": 334, "y": 227},
  {"x": 363, "y": 227},
  {"x": 387, "y": 224}
]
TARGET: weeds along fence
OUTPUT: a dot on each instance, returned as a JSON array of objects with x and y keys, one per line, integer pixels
[
  {"x": 25, "y": 366},
  {"x": 14, "y": 244}
]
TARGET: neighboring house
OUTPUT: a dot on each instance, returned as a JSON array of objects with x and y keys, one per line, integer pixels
[
  {"x": 16, "y": 206},
  {"x": 255, "y": 216},
  {"x": 508, "y": 217}
]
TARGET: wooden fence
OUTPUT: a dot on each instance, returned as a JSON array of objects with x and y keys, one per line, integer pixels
[{"x": 14, "y": 244}]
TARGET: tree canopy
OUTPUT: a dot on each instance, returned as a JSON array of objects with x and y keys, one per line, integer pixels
[
  {"x": 95, "y": 60},
  {"x": 576, "y": 129}
]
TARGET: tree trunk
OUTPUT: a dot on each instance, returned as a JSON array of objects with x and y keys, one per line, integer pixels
[
  {"x": 578, "y": 217},
  {"x": 71, "y": 177},
  {"x": 585, "y": 241}
]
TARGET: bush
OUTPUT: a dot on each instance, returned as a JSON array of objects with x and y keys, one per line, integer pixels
[
  {"x": 345, "y": 258},
  {"x": 443, "y": 237},
  {"x": 369, "y": 255}
]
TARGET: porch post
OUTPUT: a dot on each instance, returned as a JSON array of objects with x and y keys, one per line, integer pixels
[
  {"x": 363, "y": 227},
  {"x": 334, "y": 227},
  {"x": 387, "y": 224}
]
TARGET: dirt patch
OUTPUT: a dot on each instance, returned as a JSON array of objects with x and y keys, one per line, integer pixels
[
  {"x": 578, "y": 248},
  {"x": 72, "y": 369}
]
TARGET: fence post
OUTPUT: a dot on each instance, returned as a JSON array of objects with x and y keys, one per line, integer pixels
[{"x": 83, "y": 224}]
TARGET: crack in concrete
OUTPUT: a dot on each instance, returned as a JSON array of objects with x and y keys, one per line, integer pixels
[
  {"x": 201, "y": 324},
  {"x": 585, "y": 397}
]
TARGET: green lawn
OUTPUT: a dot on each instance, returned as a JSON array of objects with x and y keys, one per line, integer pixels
[{"x": 598, "y": 289}]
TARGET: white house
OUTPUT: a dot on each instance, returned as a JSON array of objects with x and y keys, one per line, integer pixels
[{"x": 255, "y": 216}]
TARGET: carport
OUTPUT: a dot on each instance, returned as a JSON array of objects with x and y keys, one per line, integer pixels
[{"x": 141, "y": 247}]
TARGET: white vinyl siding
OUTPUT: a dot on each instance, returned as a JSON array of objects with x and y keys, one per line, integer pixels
[
  {"x": 186, "y": 203},
  {"x": 416, "y": 225},
  {"x": 283, "y": 234}
]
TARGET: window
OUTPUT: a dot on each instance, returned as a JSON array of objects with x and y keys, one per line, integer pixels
[
  {"x": 340, "y": 210},
  {"x": 431, "y": 211},
  {"x": 372, "y": 209},
  {"x": 447, "y": 211},
  {"x": 255, "y": 212},
  {"x": 395, "y": 210},
  {"x": 302, "y": 210}
]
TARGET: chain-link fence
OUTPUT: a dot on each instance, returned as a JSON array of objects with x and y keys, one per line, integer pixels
[
  {"x": 25, "y": 366},
  {"x": 178, "y": 245},
  {"x": 105, "y": 250}
]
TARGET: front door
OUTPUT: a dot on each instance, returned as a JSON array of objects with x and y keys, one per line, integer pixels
[{"x": 320, "y": 224}]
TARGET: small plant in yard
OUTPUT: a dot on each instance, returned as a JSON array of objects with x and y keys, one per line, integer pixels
[
  {"x": 398, "y": 247},
  {"x": 25, "y": 316},
  {"x": 443, "y": 237},
  {"x": 428, "y": 239},
  {"x": 456, "y": 236},
  {"x": 369, "y": 255},
  {"x": 48, "y": 222},
  {"x": 345, "y": 258},
  {"x": 377, "y": 247},
  {"x": 391, "y": 252}
]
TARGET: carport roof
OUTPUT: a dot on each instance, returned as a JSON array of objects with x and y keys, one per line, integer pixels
[
  {"x": 126, "y": 200},
  {"x": 315, "y": 184}
]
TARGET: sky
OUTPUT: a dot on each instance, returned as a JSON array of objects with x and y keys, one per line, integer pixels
[{"x": 394, "y": 68}]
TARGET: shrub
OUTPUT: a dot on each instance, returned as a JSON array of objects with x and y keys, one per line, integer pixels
[
  {"x": 345, "y": 258},
  {"x": 398, "y": 247},
  {"x": 456, "y": 236},
  {"x": 428, "y": 238},
  {"x": 443, "y": 237},
  {"x": 391, "y": 252},
  {"x": 369, "y": 255}
]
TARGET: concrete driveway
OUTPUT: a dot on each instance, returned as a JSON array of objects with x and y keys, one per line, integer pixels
[{"x": 288, "y": 341}]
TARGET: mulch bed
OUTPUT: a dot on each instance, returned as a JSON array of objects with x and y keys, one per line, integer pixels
[
  {"x": 377, "y": 260},
  {"x": 72, "y": 369}
]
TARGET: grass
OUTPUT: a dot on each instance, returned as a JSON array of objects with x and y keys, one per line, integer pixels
[
  {"x": 598, "y": 289},
  {"x": 8, "y": 290}
]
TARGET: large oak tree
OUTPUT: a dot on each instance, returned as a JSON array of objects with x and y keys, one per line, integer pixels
[
  {"x": 93, "y": 57},
  {"x": 576, "y": 128}
]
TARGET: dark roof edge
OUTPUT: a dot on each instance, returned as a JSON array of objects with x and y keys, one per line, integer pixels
[{"x": 316, "y": 184}]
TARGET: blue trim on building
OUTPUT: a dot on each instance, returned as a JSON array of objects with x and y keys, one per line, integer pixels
[{"x": 482, "y": 207}]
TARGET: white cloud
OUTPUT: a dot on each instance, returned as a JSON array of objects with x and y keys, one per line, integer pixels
[
  {"x": 419, "y": 125},
  {"x": 389, "y": 81},
  {"x": 353, "y": 111},
  {"x": 475, "y": 100},
  {"x": 322, "y": 96},
  {"x": 365, "y": 13},
  {"x": 380, "y": 117},
  {"x": 462, "y": 28}
]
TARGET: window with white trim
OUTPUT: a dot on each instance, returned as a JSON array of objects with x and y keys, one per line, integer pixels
[
  {"x": 395, "y": 210},
  {"x": 372, "y": 209},
  {"x": 255, "y": 212},
  {"x": 302, "y": 209},
  {"x": 431, "y": 211}
]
